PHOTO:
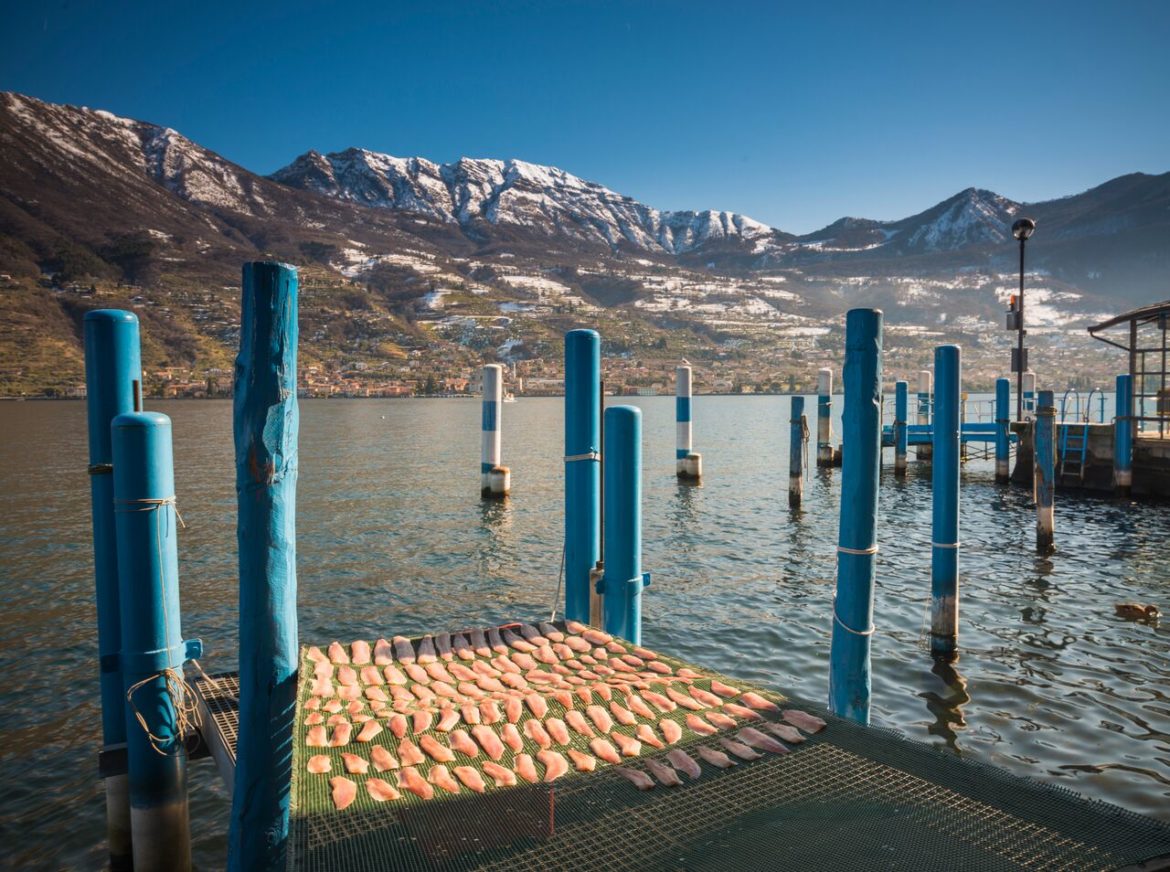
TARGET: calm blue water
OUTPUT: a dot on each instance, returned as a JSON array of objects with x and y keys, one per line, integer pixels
[{"x": 393, "y": 538}]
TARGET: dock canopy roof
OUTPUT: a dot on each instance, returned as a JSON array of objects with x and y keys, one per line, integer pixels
[{"x": 1144, "y": 315}]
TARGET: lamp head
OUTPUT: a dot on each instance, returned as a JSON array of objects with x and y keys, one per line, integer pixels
[{"x": 1023, "y": 228}]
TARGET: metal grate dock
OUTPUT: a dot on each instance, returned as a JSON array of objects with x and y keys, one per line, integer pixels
[{"x": 217, "y": 702}]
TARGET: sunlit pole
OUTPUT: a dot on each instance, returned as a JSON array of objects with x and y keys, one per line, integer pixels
[{"x": 1021, "y": 230}]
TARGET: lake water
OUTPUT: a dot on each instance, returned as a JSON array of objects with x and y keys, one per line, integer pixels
[{"x": 393, "y": 538}]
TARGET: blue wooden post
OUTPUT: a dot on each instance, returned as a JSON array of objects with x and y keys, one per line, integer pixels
[
  {"x": 824, "y": 421},
  {"x": 901, "y": 412},
  {"x": 1123, "y": 437},
  {"x": 796, "y": 429},
  {"x": 1003, "y": 415},
  {"x": 113, "y": 379},
  {"x": 688, "y": 465},
  {"x": 1045, "y": 476},
  {"x": 925, "y": 384},
  {"x": 153, "y": 650},
  {"x": 582, "y": 468},
  {"x": 265, "y": 422},
  {"x": 623, "y": 580},
  {"x": 849, "y": 675},
  {"x": 944, "y": 559}
]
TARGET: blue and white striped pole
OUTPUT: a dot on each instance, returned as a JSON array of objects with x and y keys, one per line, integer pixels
[
  {"x": 582, "y": 468},
  {"x": 1045, "y": 475},
  {"x": 1003, "y": 414},
  {"x": 688, "y": 465},
  {"x": 849, "y": 662},
  {"x": 925, "y": 379},
  {"x": 944, "y": 559},
  {"x": 266, "y": 422},
  {"x": 1029, "y": 395},
  {"x": 623, "y": 580},
  {"x": 901, "y": 413},
  {"x": 824, "y": 421},
  {"x": 1123, "y": 437},
  {"x": 113, "y": 378},
  {"x": 495, "y": 478},
  {"x": 153, "y": 651},
  {"x": 797, "y": 425}
]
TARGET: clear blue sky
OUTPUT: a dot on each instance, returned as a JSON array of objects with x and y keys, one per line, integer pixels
[{"x": 792, "y": 114}]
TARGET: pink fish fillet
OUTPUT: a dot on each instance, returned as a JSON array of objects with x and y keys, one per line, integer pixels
[
  {"x": 409, "y": 779},
  {"x": 582, "y": 762},
  {"x": 603, "y": 691},
  {"x": 516, "y": 682},
  {"x": 575, "y": 627},
  {"x": 447, "y": 719},
  {"x": 496, "y": 641},
  {"x": 629, "y": 747},
  {"x": 350, "y": 691},
  {"x": 341, "y": 735},
  {"x": 443, "y": 646},
  {"x": 382, "y": 759},
  {"x": 757, "y": 739},
  {"x": 354, "y": 764},
  {"x": 479, "y": 643},
  {"x": 740, "y": 750},
  {"x": 333, "y": 706},
  {"x": 398, "y": 725},
  {"x": 536, "y": 704},
  {"x": 421, "y": 721},
  {"x": 687, "y": 672},
  {"x": 383, "y": 653},
  {"x": 545, "y": 655},
  {"x": 314, "y": 653},
  {"x": 337, "y": 655},
  {"x": 470, "y": 713},
  {"x": 393, "y": 675},
  {"x": 684, "y": 762},
  {"x": 534, "y": 730},
  {"x": 700, "y": 726},
  {"x": 721, "y": 720},
  {"x": 381, "y": 791},
  {"x": 639, "y": 707},
  {"x": 740, "y": 711},
  {"x": 319, "y": 764},
  {"x": 532, "y": 634},
  {"x": 640, "y": 780},
  {"x": 516, "y": 642},
  {"x": 589, "y": 634},
  {"x": 438, "y": 672},
  {"x": 789, "y": 734},
  {"x": 489, "y": 741},
  {"x": 435, "y": 749},
  {"x": 313, "y": 718},
  {"x": 557, "y": 729},
  {"x": 724, "y": 690},
  {"x": 440, "y": 777},
  {"x": 322, "y": 687},
  {"x": 706, "y": 698},
  {"x": 622, "y": 714},
  {"x": 526, "y": 769},
  {"x": 426, "y": 650},
  {"x": 462, "y": 672},
  {"x": 685, "y": 699},
  {"x": 660, "y": 668},
  {"x": 754, "y": 700},
  {"x": 524, "y": 661},
  {"x": 371, "y": 675},
  {"x": 513, "y": 709},
  {"x": 808, "y": 723},
  {"x": 577, "y": 721},
  {"x": 603, "y": 749},
  {"x": 555, "y": 765},
  {"x": 505, "y": 664},
  {"x": 369, "y": 730},
  {"x": 403, "y": 650},
  {"x": 576, "y": 643},
  {"x": 409, "y": 753},
  {"x": 671, "y": 730},
  {"x": 512, "y": 737},
  {"x": 416, "y": 673},
  {"x": 471, "y": 779},
  {"x": 600, "y": 718},
  {"x": 646, "y": 734},
  {"x": 715, "y": 758},
  {"x": 550, "y": 632},
  {"x": 660, "y": 702},
  {"x": 344, "y": 791},
  {"x": 504, "y": 777},
  {"x": 359, "y": 652},
  {"x": 323, "y": 671},
  {"x": 666, "y": 775},
  {"x": 313, "y": 704},
  {"x": 462, "y": 647},
  {"x": 462, "y": 743},
  {"x": 489, "y": 711}
]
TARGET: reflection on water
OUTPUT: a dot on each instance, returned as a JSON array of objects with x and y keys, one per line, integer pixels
[{"x": 394, "y": 537}]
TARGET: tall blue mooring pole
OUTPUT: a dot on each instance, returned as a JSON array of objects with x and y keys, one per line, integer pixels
[
  {"x": 265, "y": 422},
  {"x": 944, "y": 551},
  {"x": 582, "y": 468},
  {"x": 849, "y": 672},
  {"x": 623, "y": 580},
  {"x": 1003, "y": 419},
  {"x": 824, "y": 419},
  {"x": 1123, "y": 437},
  {"x": 1045, "y": 475},
  {"x": 113, "y": 379},
  {"x": 901, "y": 421},
  {"x": 153, "y": 650},
  {"x": 797, "y": 425}
]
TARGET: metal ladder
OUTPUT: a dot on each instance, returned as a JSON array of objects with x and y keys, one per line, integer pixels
[{"x": 1074, "y": 437}]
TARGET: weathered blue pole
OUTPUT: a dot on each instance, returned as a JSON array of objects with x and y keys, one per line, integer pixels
[
  {"x": 1003, "y": 414},
  {"x": 824, "y": 421},
  {"x": 944, "y": 557},
  {"x": 265, "y": 421},
  {"x": 1045, "y": 470},
  {"x": 849, "y": 675},
  {"x": 901, "y": 411},
  {"x": 925, "y": 381},
  {"x": 113, "y": 369},
  {"x": 582, "y": 468},
  {"x": 796, "y": 428},
  {"x": 153, "y": 650},
  {"x": 1123, "y": 437},
  {"x": 495, "y": 478},
  {"x": 623, "y": 579},
  {"x": 688, "y": 466}
]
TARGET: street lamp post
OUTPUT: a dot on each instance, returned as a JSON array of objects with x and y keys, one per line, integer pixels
[{"x": 1021, "y": 230}]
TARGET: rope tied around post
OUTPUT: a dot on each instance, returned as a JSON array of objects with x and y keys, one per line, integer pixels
[
  {"x": 588, "y": 455},
  {"x": 100, "y": 469},
  {"x": 848, "y": 629}
]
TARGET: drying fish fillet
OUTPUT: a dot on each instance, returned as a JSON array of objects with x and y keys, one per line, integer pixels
[
  {"x": 715, "y": 758},
  {"x": 468, "y": 689},
  {"x": 684, "y": 762},
  {"x": 383, "y": 655},
  {"x": 470, "y": 778},
  {"x": 629, "y": 747},
  {"x": 435, "y": 749},
  {"x": 470, "y": 713},
  {"x": 551, "y": 632},
  {"x": 621, "y": 666},
  {"x": 371, "y": 675},
  {"x": 344, "y": 791},
  {"x": 526, "y": 769},
  {"x": 754, "y": 700},
  {"x": 354, "y": 706},
  {"x": 739, "y": 749},
  {"x": 443, "y": 646},
  {"x": 665, "y": 774},
  {"x": 333, "y": 706},
  {"x": 524, "y": 661},
  {"x": 584, "y": 694},
  {"x": 516, "y": 682},
  {"x": 394, "y": 676},
  {"x": 536, "y": 704},
  {"x": 724, "y": 690},
  {"x": 758, "y": 740},
  {"x": 426, "y": 650},
  {"x": 513, "y": 709},
  {"x": 576, "y": 643},
  {"x": 671, "y": 730},
  {"x": 555, "y": 765},
  {"x": 644, "y": 653},
  {"x": 496, "y": 641},
  {"x": 661, "y": 702},
  {"x": 575, "y": 627},
  {"x": 440, "y": 777},
  {"x": 354, "y": 764},
  {"x": 645, "y": 733},
  {"x": 516, "y": 642},
  {"x": 489, "y": 711},
  {"x": 381, "y": 791},
  {"x": 633, "y": 661},
  {"x": 479, "y": 643},
  {"x": 403, "y": 649},
  {"x": 531, "y": 634},
  {"x": 312, "y": 704},
  {"x": 622, "y": 715},
  {"x": 638, "y": 705},
  {"x": 378, "y": 705},
  {"x": 322, "y": 687},
  {"x": 504, "y": 777},
  {"x": 563, "y": 652},
  {"x": 722, "y": 721},
  {"x": 546, "y": 656},
  {"x": 564, "y": 697},
  {"x": 589, "y": 634},
  {"x": 489, "y": 741},
  {"x": 462, "y": 648},
  {"x": 603, "y": 691},
  {"x": 341, "y": 735},
  {"x": 462, "y": 672},
  {"x": 491, "y": 685},
  {"x": 789, "y": 734},
  {"x": 337, "y": 719},
  {"x": 359, "y": 652},
  {"x": 447, "y": 719},
  {"x": 600, "y": 654},
  {"x": 582, "y": 762},
  {"x": 600, "y": 718},
  {"x": 706, "y": 698},
  {"x": 741, "y": 712},
  {"x": 577, "y": 721},
  {"x": 323, "y": 671},
  {"x": 337, "y": 653},
  {"x": 368, "y": 731},
  {"x": 462, "y": 743},
  {"x": 382, "y": 759},
  {"x": 421, "y": 722},
  {"x": 318, "y": 764},
  {"x": 375, "y": 694},
  {"x": 398, "y": 725},
  {"x": 808, "y": 723},
  {"x": 603, "y": 749},
  {"x": 409, "y": 753},
  {"x": 512, "y": 737},
  {"x": 313, "y": 718},
  {"x": 439, "y": 672},
  {"x": 660, "y": 668},
  {"x": 362, "y": 719},
  {"x": 700, "y": 726},
  {"x": 557, "y": 729},
  {"x": 314, "y": 654},
  {"x": 416, "y": 673},
  {"x": 409, "y": 779},
  {"x": 534, "y": 730},
  {"x": 442, "y": 688},
  {"x": 349, "y": 691},
  {"x": 685, "y": 699},
  {"x": 421, "y": 691},
  {"x": 641, "y": 780},
  {"x": 687, "y": 672}
]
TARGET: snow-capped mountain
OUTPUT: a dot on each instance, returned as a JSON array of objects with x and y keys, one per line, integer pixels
[{"x": 545, "y": 200}]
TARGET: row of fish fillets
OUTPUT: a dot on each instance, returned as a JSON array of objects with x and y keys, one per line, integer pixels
[{"x": 510, "y": 703}]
